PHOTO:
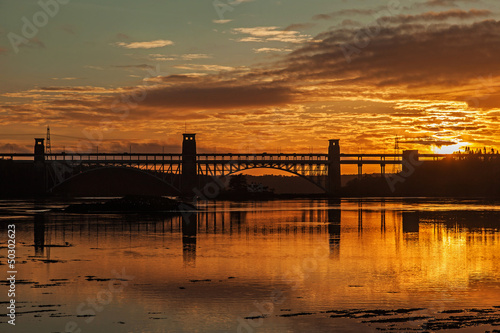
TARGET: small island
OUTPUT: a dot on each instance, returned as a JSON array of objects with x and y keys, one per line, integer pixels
[
  {"x": 239, "y": 190},
  {"x": 132, "y": 204}
]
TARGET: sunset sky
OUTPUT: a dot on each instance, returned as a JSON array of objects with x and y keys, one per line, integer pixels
[{"x": 250, "y": 75}]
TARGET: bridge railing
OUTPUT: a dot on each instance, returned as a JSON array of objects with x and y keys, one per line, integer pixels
[
  {"x": 17, "y": 156},
  {"x": 361, "y": 159},
  {"x": 261, "y": 156},
  {"x": 99, "y": 157}
]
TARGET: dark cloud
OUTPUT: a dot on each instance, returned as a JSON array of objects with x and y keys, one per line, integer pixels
[
  {"x": 141, "y": 66},
  {"x": 484, "y": 101},
  {"x": 83, "y": 89},
  {"x": 347, "y": 12},
  {"x": 437, "y": 16},
  {"x": 413, "y": 57},
  {"x": 217, "y": 96},
  {"x": 445, "y": 3},
  {"x": 429, "y": 142},
  {"x": 179, "y": 78},
  {"x": 404, "y": 60},
  {"x": 75, "y": 102},
  {"x": 349, "y": 22},
  {"x": 299, "y": 26}
]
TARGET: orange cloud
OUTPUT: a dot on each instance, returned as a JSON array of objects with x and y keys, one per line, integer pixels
[{"x": 145, "y": 45}]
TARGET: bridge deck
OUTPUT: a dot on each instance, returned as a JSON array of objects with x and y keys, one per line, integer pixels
[{"x": 204, "y": 159}]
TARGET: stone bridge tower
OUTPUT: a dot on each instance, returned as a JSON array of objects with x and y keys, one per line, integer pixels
[
  {"x": 189, "y": 177},
  {"x": 333, "y": 180}
]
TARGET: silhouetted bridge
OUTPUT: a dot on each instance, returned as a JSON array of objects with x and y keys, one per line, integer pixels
[{"x": 182, "y": 171}]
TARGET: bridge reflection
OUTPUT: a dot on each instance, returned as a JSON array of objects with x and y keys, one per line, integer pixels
[
  {"x": 39, "y": 234},
  {"x": 59, "y": 230},
  {"x": 323, "y": 225},
  {"x": 189, "y": 232}
]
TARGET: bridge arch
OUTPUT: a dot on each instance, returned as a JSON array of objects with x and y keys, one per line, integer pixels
[
  {"x": 310, "y": 179},
  {"x": 127, "y": 175}
]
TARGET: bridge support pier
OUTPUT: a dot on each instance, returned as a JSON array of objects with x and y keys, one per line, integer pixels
[
  {"x": 39, "y": 167},
  {"x": 189, "y": 176},
  {"x": 333, "y": 180},
  {"x": 409, "y": 161}
]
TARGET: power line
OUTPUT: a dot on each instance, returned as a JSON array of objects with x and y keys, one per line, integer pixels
[
  {"x": 396, "y": 151},
  {"x": 67, "y": 136},
  {"x": 48, "y": 148}
]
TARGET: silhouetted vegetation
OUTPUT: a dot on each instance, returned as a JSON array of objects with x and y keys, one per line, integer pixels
[
  {"x": 238, "y": 183},
  {"x": 239, "y": 189},
  {"x": 471, "y": 176}
]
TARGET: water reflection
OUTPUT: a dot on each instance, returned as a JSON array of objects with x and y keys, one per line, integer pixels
[
  {"x": 474, "y": 226},
  {"x": 411, "y": 223},
  {"x": 378, "y": 254},
  {"x": 189, "y": 230},
  {"x": 334, "y": 227},
  {"x": 360, "y": 216},
  {"x": 382, "y": 216},
  {"x": 39, "y": 234}
]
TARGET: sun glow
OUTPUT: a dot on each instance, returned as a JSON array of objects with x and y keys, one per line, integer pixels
[{"x": 449, "y": 149}]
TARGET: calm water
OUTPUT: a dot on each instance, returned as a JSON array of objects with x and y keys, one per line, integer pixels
[{"x": 279, "y": 266}]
